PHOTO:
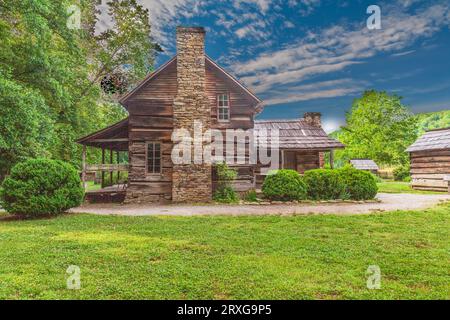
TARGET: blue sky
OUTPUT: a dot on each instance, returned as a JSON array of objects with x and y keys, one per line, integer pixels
[{"x": 318, "y": 55}]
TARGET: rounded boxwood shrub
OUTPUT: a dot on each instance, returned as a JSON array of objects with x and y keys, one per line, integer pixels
[
  {"x": 284, "y": 185},
  {"x": 325, "y": 184},
  {"x": 360, "y": 185},
  {"x": 41, "y": 187},
  {"x": 401, "y": 173}
]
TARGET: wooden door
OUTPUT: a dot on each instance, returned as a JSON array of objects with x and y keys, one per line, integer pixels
[{"x": 290, "y": 160}]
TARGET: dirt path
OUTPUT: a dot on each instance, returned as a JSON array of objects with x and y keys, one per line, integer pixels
[{"x": 389, "y": 202}]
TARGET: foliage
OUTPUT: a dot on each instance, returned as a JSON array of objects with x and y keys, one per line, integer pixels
[
  {"x": 251, "y": 196},
  {"x": 360, "y": 185},
  {"x": 224, "y": 192},
  {"x": 284, "y": 185},
  {"x": 25, "y": 130},
  {"x": 379, "y": 127},
  {"x": 401, "y": 173},
  {"x": 325, "y": 184},
  {"x": 433, "y": 120},
  {"x": 52, "y": 74},
  {"x": 41, "y": 187}
]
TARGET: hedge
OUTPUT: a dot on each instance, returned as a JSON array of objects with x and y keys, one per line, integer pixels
[
  {"x": 284, "y": 185},
  {"x": 360, "y": 185},
  {"x": 325, "y": 184},
  {"x": 41, "y": 187}
]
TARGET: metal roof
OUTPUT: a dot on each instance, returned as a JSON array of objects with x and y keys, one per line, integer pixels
[
  {"x": 364, "y": 164},
  {"x": 298, "y": 134},
  {"x": 437, "y": 139}
]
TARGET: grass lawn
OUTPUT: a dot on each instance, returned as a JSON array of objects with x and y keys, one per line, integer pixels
[
  {"x": 245, "y": 257},
  {"x": 91, "y": 186},
  {"x": 400, "y": 187}
]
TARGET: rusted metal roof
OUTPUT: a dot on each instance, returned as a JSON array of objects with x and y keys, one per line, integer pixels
[
  {"x": 438, "y": 139},
  {"x": 364, "y": 164},
  {"x": 298, "y": 134}
]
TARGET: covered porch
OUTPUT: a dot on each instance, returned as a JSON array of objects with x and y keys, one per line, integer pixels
[{"x": 106, "y": 181}]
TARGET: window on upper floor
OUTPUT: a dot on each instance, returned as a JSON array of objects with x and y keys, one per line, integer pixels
[{"x": 223, "y": 107}]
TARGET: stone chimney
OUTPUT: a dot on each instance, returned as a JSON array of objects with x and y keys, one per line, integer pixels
[
  {"x": 191, "y": 182},
  {"x": 313, "y": 119}
]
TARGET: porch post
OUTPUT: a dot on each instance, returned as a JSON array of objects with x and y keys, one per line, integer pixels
[
  {"x": 103, "y": 172},
  {"x": 282, "y": 159},
  {"x": 111, "y": 162},
  {"x": 118, "y": 171},
  {"x": 332, "y": 159},
  {"x": 83, "y": 167}
]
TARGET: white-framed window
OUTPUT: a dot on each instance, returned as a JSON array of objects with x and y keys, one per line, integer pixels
[
  {"x": 223, "y": 107},
  {"x": 154, "y": 165}
]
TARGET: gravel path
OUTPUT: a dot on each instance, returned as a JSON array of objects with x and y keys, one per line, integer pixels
[{"x": 389, "y": 202}]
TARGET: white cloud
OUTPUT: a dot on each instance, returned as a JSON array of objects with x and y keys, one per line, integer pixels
[
  {"x": 336, "y": 48},
  {"x": 318, "y": 90},
  {"x": 404, "y": 53}
]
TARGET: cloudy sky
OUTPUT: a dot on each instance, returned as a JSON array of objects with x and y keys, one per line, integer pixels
[{"x": 318, "y": 55}]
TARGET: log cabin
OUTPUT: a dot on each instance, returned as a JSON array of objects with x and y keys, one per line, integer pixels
[
  {"x": 188, "y": 87},
  {"x": 430, "y": 160}
]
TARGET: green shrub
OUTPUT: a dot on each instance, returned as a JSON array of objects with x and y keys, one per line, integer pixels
[
  {"x": 325, "y": 184},
  {"x": 401, "y": 173},
  {"x": 41, "y": 187},
  {"x": 284, "y": 185},
  {"x": 360, "y": 185},
  {"x": 251, "y": 196},
  {"x": 224, "y": 192},
  {"x": 225, "y": 195}
]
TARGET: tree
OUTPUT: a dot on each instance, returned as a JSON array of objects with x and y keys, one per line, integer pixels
[
  {"x": 62, "y": 68},
  {"x": 25, "y": 130},
  {"x": 379, "y": 127}
]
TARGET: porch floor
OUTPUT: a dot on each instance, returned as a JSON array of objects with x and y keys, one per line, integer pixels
[{"x": 112, "y": 194}]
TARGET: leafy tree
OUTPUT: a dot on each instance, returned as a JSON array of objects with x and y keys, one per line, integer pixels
[
  {"x": 61, "y": 69},
  {"x": 25, "y": 130},
  {"x": 379, "y": 127}
]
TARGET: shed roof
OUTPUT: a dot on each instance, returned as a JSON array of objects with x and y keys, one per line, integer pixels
[
  {"x": 298, "y": 134},
  {"x": 114, "y": 137},
  {"x": 437, "y": 139},
  {"x": 364, "y": 164}
]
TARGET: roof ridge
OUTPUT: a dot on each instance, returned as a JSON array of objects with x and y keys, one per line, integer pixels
[{"x": 281, "y": 120}]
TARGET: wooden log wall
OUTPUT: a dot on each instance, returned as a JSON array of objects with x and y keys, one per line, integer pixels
[
  {"x": 151, "y": 119},
  {"x": 428, "y": 169},
  {"x": 307, "y": 160}
]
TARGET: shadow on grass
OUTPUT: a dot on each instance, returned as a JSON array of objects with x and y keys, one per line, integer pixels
[{"x": 6, "y": 217}]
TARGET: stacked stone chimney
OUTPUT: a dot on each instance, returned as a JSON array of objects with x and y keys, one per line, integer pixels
[
  {"x": 191, "y": 182},
  {"x": 313, "y": 119}
]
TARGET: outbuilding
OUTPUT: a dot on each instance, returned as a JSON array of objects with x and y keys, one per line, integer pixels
[
  {"x": 365, "y": 164},
  {"x": 430, "y": 160}
]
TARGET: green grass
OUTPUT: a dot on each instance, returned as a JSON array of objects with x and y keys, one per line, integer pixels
[
  {"x": 91, "y": 186},
  {"x": 400, "y": 187},
  {"x": 246, "y": 257}
]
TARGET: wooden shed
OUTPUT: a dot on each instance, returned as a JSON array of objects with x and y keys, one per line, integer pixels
[
  {"x": 430, "y": 160},
  {"x": 365, "y": 164}
]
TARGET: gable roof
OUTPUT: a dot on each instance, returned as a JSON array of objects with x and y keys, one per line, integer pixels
[
  {"x": 211, "y": 63},
  {"x": 436, "y": 139},
  {"x": 298, "y": 134},
  {"x": 364, "y": 164}
]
